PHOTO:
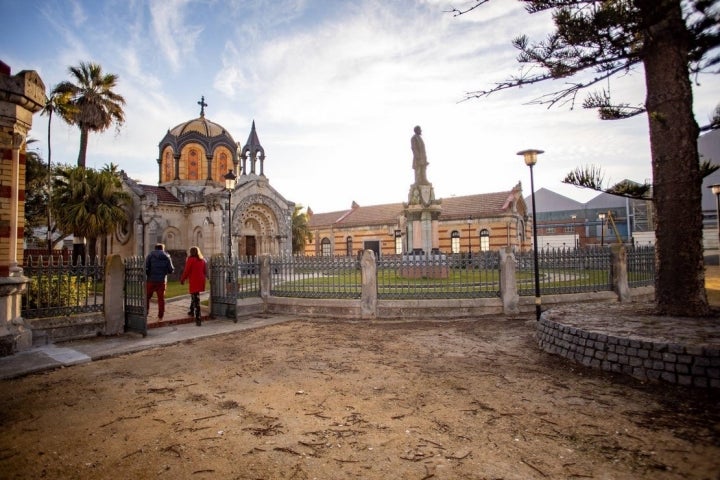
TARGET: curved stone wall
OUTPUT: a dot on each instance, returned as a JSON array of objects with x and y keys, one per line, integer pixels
[{"x": 645, "y": 359}]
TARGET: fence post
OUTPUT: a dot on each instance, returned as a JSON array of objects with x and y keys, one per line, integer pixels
[
  {"x": 618, "y": 271},
  {"x": 264, "y": 277},
  {"x": 368, "y": 272},
  {"x": 114, "y": 305},
  {"x": 508, "y": 284}
]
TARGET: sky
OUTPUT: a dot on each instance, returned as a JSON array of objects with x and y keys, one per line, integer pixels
[{"x": 335, "y": 88}]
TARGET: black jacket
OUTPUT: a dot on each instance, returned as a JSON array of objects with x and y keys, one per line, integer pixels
[{"x": 158, "y": 265}]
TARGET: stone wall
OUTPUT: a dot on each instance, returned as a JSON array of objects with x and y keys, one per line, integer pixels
[{"x": 643, "y": 359}]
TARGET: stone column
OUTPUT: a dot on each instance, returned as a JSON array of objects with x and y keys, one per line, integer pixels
[
  {"x": 618, "y": 268},
  {"x": 21, "y": 96},
  {"x": 114, "y": 308},
  {"x": 368, "y": 299},
  {"x": 508, "y": 282}
]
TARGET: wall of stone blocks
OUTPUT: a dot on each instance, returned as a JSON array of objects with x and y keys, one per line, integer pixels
[{"x": 645, "y": 360}]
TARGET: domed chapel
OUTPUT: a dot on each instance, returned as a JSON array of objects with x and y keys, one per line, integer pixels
[{"x": 190, "y": 205}]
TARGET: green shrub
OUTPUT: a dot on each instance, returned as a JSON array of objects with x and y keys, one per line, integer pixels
[{"x": 62, "y": 290}]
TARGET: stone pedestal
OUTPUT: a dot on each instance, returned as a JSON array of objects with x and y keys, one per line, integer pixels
[
  {"x": 422, "y": 212},
  {"x": 15, "y": 335}
]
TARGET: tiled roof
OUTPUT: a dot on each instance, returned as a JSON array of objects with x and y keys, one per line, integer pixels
[
  {"x": 476, "y": 206},
  {"x": 453, "y": 208},
  {"x": 163, "y": 195}
]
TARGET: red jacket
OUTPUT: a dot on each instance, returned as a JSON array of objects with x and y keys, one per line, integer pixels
[{"x": 195, "y": 269}]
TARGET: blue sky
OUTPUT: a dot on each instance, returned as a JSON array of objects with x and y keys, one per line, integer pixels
[{"x": 335, "y": 88}]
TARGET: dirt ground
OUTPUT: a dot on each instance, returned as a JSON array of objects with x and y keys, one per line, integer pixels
[{"x": 470, "y": 399}]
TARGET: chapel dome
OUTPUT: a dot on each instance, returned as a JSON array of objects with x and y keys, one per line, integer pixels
[{"x": 200, "y": 125}]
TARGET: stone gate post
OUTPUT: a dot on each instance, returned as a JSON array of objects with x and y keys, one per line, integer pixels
[
  {"x": 368, "y": 299},
  {"x": 508, "y": 283},
  {"x": 618, "y": 271},
  {"x": 21, "y": 96}
]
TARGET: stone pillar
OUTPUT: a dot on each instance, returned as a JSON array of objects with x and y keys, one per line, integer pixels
[
  {"x": 114, "y": 309},
  {"x": 368, "y": 299},
  {"x": 618, "y": 269},
  {"x": 264, "y": 276},
  {"x": 21, "y": 96},
  {"x": 508, "y": 282}
]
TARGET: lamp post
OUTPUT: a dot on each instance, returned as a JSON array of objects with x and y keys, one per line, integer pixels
[
  {"x": 230, "y": 178},
  {"x": 530, "y": 157},
  {"x": 716, "y": 191},
  {"x": 469, "y": 222},
  {"x": 602, "y": 229}
]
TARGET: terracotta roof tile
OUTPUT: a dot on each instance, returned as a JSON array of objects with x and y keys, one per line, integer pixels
[
  {"x": 480, "y": 205},
  {"x": 163, "y": 195}
]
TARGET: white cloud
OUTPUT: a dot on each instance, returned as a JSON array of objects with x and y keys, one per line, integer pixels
[{"x": 177, "y": 38}]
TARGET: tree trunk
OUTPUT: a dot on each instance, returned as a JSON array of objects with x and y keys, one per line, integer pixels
[
  {"x": 83, "y": 147},
  {"x": 680, "y": 277}
]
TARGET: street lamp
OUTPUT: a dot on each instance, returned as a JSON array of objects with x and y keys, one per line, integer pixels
[
  {"x": 230, "y": 178},
  {"x": 602, "y": 229},
  {"x": 530, "y": 157},
  {"x": 716, "y": 191},
  {"x": 469, "y": 222}
]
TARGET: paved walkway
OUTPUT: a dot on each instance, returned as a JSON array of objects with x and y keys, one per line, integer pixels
[{"x": 176, "y": 327}]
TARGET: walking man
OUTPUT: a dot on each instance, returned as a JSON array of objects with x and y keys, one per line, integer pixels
[{"x": 158, "y": 265}]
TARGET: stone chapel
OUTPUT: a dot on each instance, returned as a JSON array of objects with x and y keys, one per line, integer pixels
[{"x": 190, "y": 205}]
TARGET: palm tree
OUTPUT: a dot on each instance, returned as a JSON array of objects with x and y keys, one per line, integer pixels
[
  {"x": 89, "y": 203},
  {"x": 60, "y": 103},
  {"x": 301, "y": 233},
  {"x": 96, "y": 105},
  {"x": 36, "y": 193}
]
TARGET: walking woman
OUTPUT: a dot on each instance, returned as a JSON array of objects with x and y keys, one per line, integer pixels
[{"x": 196, "y": 273}]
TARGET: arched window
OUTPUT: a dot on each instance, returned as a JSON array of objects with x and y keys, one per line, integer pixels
[
  {"x": 484, "y": 240},
  {"x": 348, "y": 246},
  {"x": 325, "y": 247},
  {"x": 455, "y": 242}
]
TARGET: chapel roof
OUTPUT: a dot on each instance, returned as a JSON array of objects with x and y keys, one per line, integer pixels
[
  {"x": 200, "y": 126},
  {"x": 163, "y": 194}
]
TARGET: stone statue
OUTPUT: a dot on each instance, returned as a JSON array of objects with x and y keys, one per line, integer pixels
[{"x": 420, "y": 162}]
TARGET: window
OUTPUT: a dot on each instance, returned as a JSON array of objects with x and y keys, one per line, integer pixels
[
  {"x": 455, "y": 242},
  {"x": 569, "y": 229},
  {"x": 348, "y": 246},
  {"x": 550, "y": 230},
  {"x": 325, "y": 247},
  {"x": 398, "y": 242},
  {"x": 484, "y": 240}
]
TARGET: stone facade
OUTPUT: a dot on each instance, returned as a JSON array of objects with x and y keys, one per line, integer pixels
[
  {"x": 190, "y": 206},
  {"x": 472, "y": 223}
]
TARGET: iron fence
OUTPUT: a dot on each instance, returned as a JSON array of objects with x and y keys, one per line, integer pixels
[
  {"x": 439, "y": 276},
  {"x": 565, "y": 270},
  {"x": 641, "y": 266},
  {"x": 59, "y": 288},
  {"x": 315, "y": 276}
]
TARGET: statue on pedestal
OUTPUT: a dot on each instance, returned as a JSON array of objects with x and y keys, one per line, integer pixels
[{"x": 420, "y": 162}]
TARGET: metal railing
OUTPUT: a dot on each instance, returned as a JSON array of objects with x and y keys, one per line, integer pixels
[
  {"x": 60, "y": 288},
  {"x": 439, "y": 276},
  {"x": 315, "y": 277},
  {"x": 641, "y": 266},
  {"x": 565, "y": 270}
]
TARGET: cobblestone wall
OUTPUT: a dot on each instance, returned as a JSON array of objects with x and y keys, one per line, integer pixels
[{"x": 645, "y": 360}]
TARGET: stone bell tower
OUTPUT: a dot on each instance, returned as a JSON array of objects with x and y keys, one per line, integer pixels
[{"x": 422, "y": 210}]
